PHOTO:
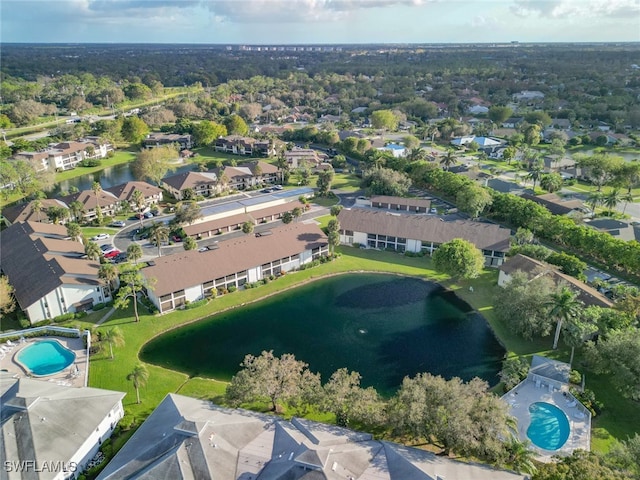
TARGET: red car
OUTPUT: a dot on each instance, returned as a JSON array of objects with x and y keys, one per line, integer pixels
[
  {"x": 111, "y": 254},
  {"x": 176, "y": 238}
]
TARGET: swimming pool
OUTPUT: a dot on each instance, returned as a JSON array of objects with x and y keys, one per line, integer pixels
[
  {"x": 549, "y": 428},
  {"x": 45, "y": 357}
]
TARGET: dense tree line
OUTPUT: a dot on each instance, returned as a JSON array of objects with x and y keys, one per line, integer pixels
[
  {"x": 596, "y": 81},
  {"x": 516, "y": 211},
  {"x": 461, "y": 417}
]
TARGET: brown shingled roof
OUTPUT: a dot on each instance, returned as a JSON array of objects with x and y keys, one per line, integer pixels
[
  {"x": 25, "y": 257},
  {"x": 532, "y": 267},
  {"x": 191, "y": 268},
  {"x": 212, "y": 225},
  {"x": 191, "y": 179},
  {"x": 24, "y": 212},
  {"x": 125, "y": 191},
  {"x": 485, "y": 236},
  {"x": 412, "y": 202}
]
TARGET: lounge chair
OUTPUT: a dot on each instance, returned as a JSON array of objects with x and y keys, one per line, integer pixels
[
  {"x": 10, "y": 343},
  {"x": 579, "y": 415},
  {"x": 538, "y": 384},
  {"x": 572, "y": 403}
]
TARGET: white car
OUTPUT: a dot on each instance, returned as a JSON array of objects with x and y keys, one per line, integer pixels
[{"x": 100, "y": 236}]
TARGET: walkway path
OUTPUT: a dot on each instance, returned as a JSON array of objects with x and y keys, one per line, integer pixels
[{"x": 106, "y": 316}]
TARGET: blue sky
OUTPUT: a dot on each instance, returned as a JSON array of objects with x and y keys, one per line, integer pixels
[{"x": 318, "y": 21}]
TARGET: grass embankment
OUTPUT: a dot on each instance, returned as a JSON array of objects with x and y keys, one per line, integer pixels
[{"x": 620, "y": 419}]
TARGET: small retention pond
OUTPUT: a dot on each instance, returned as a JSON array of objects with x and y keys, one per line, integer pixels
[{"x": 383, "y": 326}]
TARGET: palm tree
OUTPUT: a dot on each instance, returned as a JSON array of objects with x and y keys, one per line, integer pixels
[
  {"x": 138, "y": 200},
  {"x": 520, "y": 457},
  {"x": 134, "y": 252},
  {"x": 139, "y": 377},
  {"x": 92, "y": 250},
  {"x": 612, "y": 199},
  {"x": 159, "y": 232},
  {"x": 97, "y": 188},
  {"x": 594, "y": 200},
  {"x": 563, "y": 305},
  {"x": 449, "y": 159},
  {"x": 297, "y": 213},
  {"x": 626, "y": 198},
  {"x": 77, "y": 210},
  {"x": 535, "y": 174},
  {"x": 112, "y": 337},
  {"x": 109, "y": 273},
  {"x": 36, "y": 207},
  {"x": 74, "y": 231}
]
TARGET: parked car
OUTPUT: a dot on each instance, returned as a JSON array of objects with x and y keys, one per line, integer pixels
[
  {"x": 176, "y": 238},
  {"x": 433, "y": 210},
  {"x": 100, "y": 236},
  {"x": 107, "y": 249},
  {"x": 266, "y": 190},
  {"x": 278, "y": 187},
  {"x": 118, "y": 223},
  {"x": 120, "y": 257},
  {"x": 148, "y": 215},
  {"x": 112, "y": 253}
]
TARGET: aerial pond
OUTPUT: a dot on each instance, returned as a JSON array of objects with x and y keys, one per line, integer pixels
[{"x": 385, "y": 327}]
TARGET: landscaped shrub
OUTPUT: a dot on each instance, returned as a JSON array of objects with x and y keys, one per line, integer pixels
[
  {"x": 196, "y": 304},
  {"x": 588, "y": 399},
  {"x": 98, "y": 306},
  {"x": 575, "y": 377},
  {"x": 232, "y": 288},
  {"x": 48, "y": 321}
]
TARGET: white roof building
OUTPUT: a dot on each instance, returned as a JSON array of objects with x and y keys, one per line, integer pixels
[{"x": 52, "y": 431}]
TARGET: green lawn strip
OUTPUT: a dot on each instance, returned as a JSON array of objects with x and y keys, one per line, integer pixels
[
  {"x": 89, "y": 232},
  {"x": 323, "y": 221},
  {"x": 345, "y": 181},
  {"x": 329, "y": 201},
  {"x": 105, "y": 373}
]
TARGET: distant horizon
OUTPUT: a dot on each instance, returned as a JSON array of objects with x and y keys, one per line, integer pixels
[
  {"x": 513, "y": 42},
  {"x": 316, "y": 22}
]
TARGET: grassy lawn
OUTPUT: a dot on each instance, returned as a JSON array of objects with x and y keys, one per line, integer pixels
[
  {"x": 345, "y": 181},
  {"x": 620, "y": 419},
  {"x": 329, "y": 201}
]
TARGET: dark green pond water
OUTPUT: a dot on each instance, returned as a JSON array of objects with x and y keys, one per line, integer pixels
[{"x": 383, "y": 326}]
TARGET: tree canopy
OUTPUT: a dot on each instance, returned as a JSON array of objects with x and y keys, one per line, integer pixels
[{"x": 459, "y": 258}]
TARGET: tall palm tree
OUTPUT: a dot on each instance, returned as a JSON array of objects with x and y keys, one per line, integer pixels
[
  {"x": 97, "y": 188},
  {"x": 138, "y": 200},
  {"x": 449, "y": 159},
  {"x": 77, "y": 210},
  {"x": 109, "y": 273},
  {"x": 112, "y": 337},
  {"x": 612, "y": 199},
  {"x": 594, "y": 200},
  {"x": 139, "y": 376},
  {"x": 626, "y": 198},
  {"x": 36, "y": 207},
  {"x": 563, "y": 305},
  {"x": 92, "y": 250},
  {"x": 74, "y": 231},
  {"x": 134, "y": 252},
  {"x": 159, "y": 232}
]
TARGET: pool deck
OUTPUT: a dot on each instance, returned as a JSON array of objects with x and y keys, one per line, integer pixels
[
  {"x": 522, "y": 396},
  {"x": 65, "y": 377}
]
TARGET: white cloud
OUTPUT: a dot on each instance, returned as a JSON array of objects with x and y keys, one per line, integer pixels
[
  {"x": 483, "y": 21},
  {"x": 564, "y": 9},
  {"x": 289, "y": 11}
]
